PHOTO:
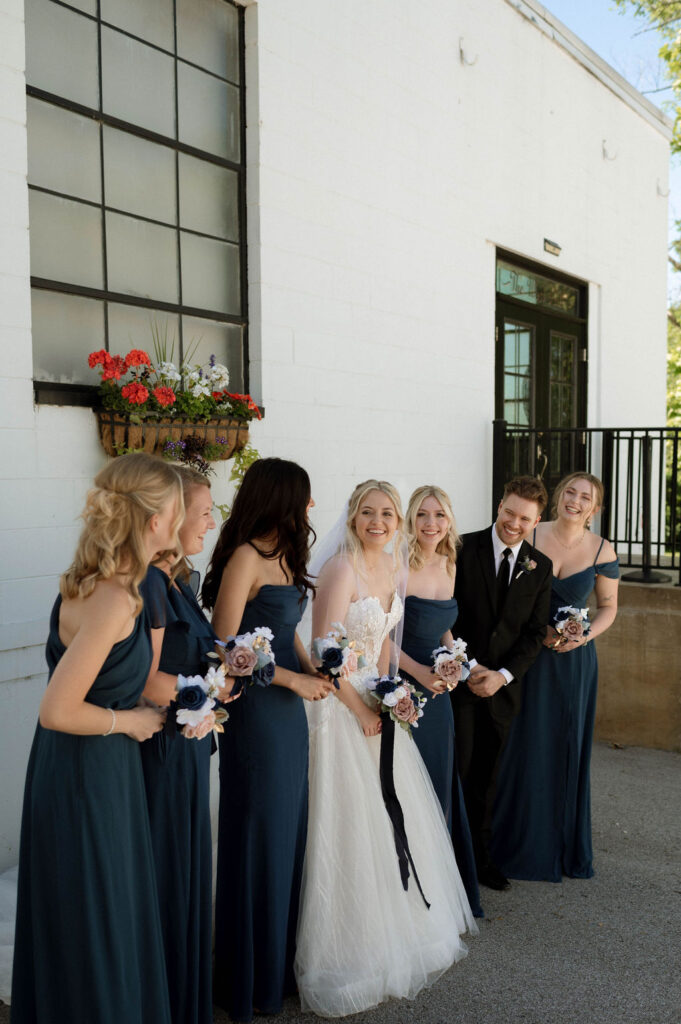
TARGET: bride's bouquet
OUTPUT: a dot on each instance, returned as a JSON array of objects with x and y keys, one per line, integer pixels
[
  {"x": 402, "y": 701},
  {"x": 572, "y": 623},
  {"x": 249, "y": 656},
  {"x": 338, "y": 655},
  {"x": 450, "y": 663},
  {"x": 194, "y": 704}
]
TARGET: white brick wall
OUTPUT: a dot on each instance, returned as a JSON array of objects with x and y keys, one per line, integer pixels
[{"x": 382, "y": 175}]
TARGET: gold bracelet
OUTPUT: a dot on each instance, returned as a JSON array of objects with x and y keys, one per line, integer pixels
[{"x": 113, "y": 723}]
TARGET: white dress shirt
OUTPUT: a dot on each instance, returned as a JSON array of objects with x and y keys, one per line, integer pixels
[{"x": 499, "y": 548}]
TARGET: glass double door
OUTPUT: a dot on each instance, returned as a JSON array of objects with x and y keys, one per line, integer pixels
[{"x": 541, "y": 384}]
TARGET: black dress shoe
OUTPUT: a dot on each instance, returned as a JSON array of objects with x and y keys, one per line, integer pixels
[{"x": 490, "y": 875}]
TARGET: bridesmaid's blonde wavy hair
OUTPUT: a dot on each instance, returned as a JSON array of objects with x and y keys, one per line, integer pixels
[
  {"x": 191, "y": 479},
  {"x": 352, "y": 541},
  {"x": 126, "y": 494},
  {"x": 451, "y": 542}
]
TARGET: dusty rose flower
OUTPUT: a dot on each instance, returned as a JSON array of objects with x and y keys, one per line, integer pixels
[
  {"x": 573, "y": 630},
  {"x": 406, "y": 710},
  {"x": 350, "y": 665},
  {"x": 450, "y": 672},
  {"x": 197, "y": 732},
  {"x": 240, "y": 661}
]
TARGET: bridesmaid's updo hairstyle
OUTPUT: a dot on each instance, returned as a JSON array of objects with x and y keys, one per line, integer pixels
[
  {"x": 126, "y": 494},
  {"x": 597, "y": 491},
  {"x": 352, "y": 541},
  {"x": 449, "y": 545},
  {"x": 272, "y": 501}
]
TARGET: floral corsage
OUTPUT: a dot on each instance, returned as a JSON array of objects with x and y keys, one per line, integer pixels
[
  {"x": 450, "y": 663},
  {"x": 194, "y": 704},
  {"x": 525, "y": 564},
  {"x": 402, "y": 701},
  {"x": 338, "y": 655},
  {"x": 249, "y": 657}
]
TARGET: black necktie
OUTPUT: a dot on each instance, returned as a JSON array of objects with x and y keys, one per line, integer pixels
[{"x": 503, "y": 579}]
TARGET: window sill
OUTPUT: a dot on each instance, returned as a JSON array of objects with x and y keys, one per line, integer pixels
[{"x": 51, "y": 393}]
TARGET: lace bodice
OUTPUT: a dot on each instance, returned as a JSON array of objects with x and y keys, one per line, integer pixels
[{"x": 368, "y": 625}]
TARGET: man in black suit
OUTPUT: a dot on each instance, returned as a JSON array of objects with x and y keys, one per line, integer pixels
[{"x": 503, "y": 587}]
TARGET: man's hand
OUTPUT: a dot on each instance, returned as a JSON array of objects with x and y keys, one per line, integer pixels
[{"x": 484, "y": 682}]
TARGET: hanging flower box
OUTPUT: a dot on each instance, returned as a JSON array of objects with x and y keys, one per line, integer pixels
[{"x": 158, "y": 409}]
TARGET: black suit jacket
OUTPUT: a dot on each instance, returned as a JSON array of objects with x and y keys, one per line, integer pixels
[{"x": 512, "y": 640}]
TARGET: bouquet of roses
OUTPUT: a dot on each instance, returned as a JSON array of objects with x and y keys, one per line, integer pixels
[
  {"x": 572, "y": 623},
  {"x": 450, "y": 664},
  {"x": 338, "y": 655},
  {"x": 249, "y": 656},
  {"x": 195, "y": 699},
  {"x": 402, "y": 701}
]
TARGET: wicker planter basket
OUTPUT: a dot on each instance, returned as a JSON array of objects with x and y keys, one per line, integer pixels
[{"x": 118, "y": 433}]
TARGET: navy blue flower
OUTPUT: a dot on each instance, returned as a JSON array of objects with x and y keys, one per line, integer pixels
[
  {"x": 191, "y": 697},
  {"x": 385, "y": 686},
  {"x": 264, "y": 676},
  {"x": 333, "y": 658}
]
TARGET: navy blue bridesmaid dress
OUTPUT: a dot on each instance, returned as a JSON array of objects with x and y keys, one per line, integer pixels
[
  {"x": 88, "y": 942},
  {"x": 263, "y": 825},
  {"x": 177, "y": 782},
  {"x": 425, "y": 622},
  {"x": 542, "y": 817}
]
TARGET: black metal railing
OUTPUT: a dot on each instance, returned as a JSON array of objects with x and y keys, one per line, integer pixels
[{"x": 639, "y": 467}]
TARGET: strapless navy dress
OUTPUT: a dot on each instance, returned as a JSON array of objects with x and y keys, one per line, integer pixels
[
  {"x": 425, "y": 622},
  {"x": 262, "y": 826},
  {"x": 177, "y": 782},
  {"x": 88, "y": 942},
  {"x": 542, "y": 818}
]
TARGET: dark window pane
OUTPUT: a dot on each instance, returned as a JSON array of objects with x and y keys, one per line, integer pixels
[
  {"x": 66, "y": 328},
  {"x": 139, "y": 176},
  {"x": 142, "y": 258},
  {"x": 208, "y": 113},
  {"x": 536, "y": 289},
  {"x": 209, "y": 198},
  {"x": 53, "y": 36},
  {"x": 66, "y": 240},
  {"x": 149, "y": 19},
  {"x": 63, "y": 151},
  {"x": 138, "y": 83},
  {"x": 208, "y": 35},
  {"x": 210, "y": 274}
]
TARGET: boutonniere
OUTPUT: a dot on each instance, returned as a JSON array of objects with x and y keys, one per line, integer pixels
[{"x": 526, "y": 565}]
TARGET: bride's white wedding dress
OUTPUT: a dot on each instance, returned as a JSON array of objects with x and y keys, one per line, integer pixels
[{"x": 361, "y": 937}]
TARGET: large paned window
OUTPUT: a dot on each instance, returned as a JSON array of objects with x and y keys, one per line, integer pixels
[{"x": 136, "y": 183}]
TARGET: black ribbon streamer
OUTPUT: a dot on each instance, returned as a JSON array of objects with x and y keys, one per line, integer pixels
[{"x": 393, "y": 806}]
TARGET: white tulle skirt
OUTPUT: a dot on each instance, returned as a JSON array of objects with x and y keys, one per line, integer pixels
[{"x": 361, "y": 937}]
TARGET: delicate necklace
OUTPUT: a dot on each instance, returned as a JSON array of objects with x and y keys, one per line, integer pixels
[{"x": 568, "y": 547}]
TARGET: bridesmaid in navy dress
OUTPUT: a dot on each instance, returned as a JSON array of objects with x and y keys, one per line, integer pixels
[
  {"x": 429, "y": 614},
  {"x": 88, "y": 937},
  {"x": 177, "y": 767},
  {"x": 542, "y": 820},
  {"x": 258, "y": 577}
]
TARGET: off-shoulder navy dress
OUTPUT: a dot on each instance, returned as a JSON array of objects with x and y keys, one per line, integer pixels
[
  {"x": 88, "y": 942},
  {"x": 263, "y": 825},
  {"x": 425, "y": 622},
  {"x": 177, "y": 782},
  {"x": 542, "y": 818}
]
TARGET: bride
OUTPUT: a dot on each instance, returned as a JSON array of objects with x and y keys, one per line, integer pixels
[{"x": 361, "y": 937}]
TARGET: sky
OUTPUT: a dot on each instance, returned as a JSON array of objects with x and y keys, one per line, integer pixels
[{"x": 628, "y": 45}]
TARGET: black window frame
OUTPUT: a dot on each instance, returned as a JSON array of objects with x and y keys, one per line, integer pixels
[{"x": 54, "y": 393}]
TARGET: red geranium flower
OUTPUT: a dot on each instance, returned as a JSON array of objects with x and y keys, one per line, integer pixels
[
  {"x": 164, "y": 396},
  {"x": 135, "y": 393},
  {"x": 218, "y": 395},
  {"x": 137, "y": 357},
  {"x": 114, "y": 367},
  {"x": 98, "y": 358},
  {"x": 248, "y": 400}
]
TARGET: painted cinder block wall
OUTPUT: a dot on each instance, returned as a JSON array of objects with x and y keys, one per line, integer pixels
[{"x": 382, "y": 174}]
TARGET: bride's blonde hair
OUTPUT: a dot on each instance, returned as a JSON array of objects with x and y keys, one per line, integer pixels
[
  {"x": 352, "y": 541},
  {"x": 126, "y": 494},
  {"x": 450, "y": 543}
]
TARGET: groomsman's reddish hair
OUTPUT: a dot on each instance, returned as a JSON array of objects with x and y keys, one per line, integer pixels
[{"x": 530, "y": 488}]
